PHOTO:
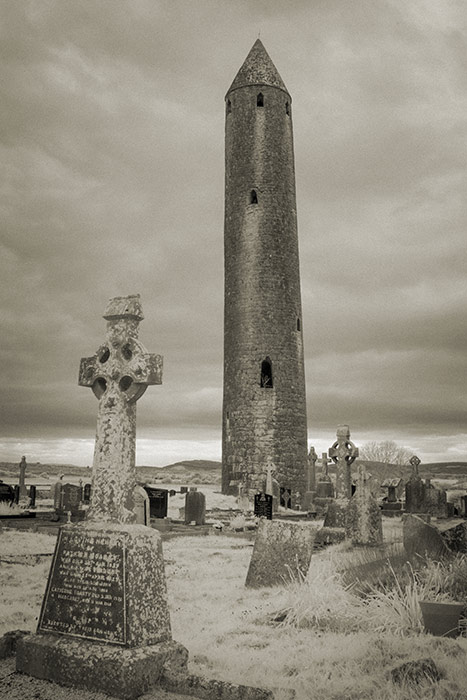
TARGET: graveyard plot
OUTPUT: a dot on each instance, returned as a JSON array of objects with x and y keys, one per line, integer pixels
[{"x": 308, "y": 635}]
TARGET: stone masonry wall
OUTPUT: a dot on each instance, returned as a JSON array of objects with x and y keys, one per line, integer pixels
[{"x": 263, "y": 316}]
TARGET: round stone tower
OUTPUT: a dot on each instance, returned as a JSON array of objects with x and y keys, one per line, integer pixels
[{"x": 264, "y": 410}]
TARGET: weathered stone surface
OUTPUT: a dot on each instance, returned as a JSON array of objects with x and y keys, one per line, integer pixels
[
  {"x": 141, "y": 506},
  {"x": 454, "y": 534},
  {"x": 281, "y": 549},
  {"x": 329, "y": 535},
  {"x": 211, "y": 689},
  {"x": 107, "y": 583},
  {"x": 122, "y": 673},
  {"x": 119, "y": 373},
  {"x": 363, "y": 523},
  {"x": 264, "y": 411},
  {"x": 421, "y": 539},
  {"x": 337, "y": 513},
  {"x": 415, "y": 672}
]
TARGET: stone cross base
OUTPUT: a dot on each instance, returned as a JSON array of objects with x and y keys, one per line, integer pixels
[{"x": 121, "y": 672}]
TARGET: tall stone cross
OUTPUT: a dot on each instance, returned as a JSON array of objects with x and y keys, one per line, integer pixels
[
  {"x": 343, "y": 452},
  {"x": 311, "y": 477},
  {"x": 118, "y": 374}
]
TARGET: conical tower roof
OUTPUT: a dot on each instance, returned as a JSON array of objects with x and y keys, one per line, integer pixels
[{"x": 258, "y": 69}]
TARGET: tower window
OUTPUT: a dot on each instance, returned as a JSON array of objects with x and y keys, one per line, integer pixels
[
  {"x": 266, "y": 374},
  {"x": 299, "y": 325},
  {"x": 260, "y": 100},
  {"x": 253, "y": 197},
  {"x": 287, "y": 108},
  {"x": 228, "y": 107}
]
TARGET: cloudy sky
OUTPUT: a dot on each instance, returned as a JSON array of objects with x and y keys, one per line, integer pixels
[{"x": 112, "y": 158}]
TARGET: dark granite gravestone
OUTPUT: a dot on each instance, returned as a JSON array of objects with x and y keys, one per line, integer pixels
[
  {"x": 32, "y": 495},
  {"x": 285, "y": 497},
  {"x": 263, "y": 505},
  {"x": 158, "y": 500},
  {"x": 183, "y": 489},
  {"x": 71, "y": 498},
  {"x": 86, "y": 595},
  {"x": 195, "y": 507},
  {"x": 87, "y": 493}
]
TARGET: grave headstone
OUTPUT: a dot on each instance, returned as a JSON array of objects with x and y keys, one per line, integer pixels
[
  {"x": 22, "y": 475},
  {"x": 363, "y": 524},
  {"x": 158, "y": 501},
  {"x": 32, "y": 496},
  {"x": 415, "y": 489},
  {"x": 183, "y": 489},
  {"x": 263, "y": 505},
  {"x": 285, "y": 497},
  {"x": 71, "y": 498},
  {"x": 422, "y": 540},
  {"x": 271, "y": 486},
  {"x": 422, "y": 497},
  {"x": 104, "y": 623},
  {"x": 324, "y": 487},
  {"x": 343, "y": 452},
  {"x": 195, "y": 507},
  {"x": 16, "y": 489},
  {"x": 57, "y": 491},
  {"x": 310, "y": 493},
  {"x": 243, "y": 499},
  {"x": 282, "y": 551},
  {"x": 87, "y": 493},
  {"x": 141, "y": 507}
]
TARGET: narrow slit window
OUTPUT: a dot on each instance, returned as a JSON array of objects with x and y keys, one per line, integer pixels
[
  {"x": 287, "y": 108},
  {"x": 260, "y": 100},
  {"x": 253, "y": 197},
  {"x": 266, "y": 374},
  {"x": 229, "y": 107},
  {"x": 299, "y": 325}
]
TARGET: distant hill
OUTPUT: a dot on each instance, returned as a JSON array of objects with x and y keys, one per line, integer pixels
[
  {"x": 431, "y": 470},
  {"x": 190, "y": 471}
]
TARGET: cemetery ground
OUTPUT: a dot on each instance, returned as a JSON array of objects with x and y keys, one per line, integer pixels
[{"x": 318, "y": 637}]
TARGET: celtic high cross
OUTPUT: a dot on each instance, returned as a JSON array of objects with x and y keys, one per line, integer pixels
[
  {"x": 343, "y": 453},
  {"x": 118, "y": 374}
]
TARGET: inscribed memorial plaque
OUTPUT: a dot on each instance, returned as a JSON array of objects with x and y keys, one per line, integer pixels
[
  {"x": 85, "y": 595},
  {"x": 71, "y": 497},
  {"x": 263, "y": 505}
]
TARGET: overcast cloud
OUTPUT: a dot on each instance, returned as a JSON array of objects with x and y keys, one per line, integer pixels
[{"x": 111, "y": 183}]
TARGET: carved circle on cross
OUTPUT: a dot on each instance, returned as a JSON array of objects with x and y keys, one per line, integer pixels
[{"x": 117, "y": 364}]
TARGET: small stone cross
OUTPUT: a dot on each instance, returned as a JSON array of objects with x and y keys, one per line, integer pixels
[
  {"x": 324, "y": 463},
  {"x": 118, "y": 374},
  {"x": 269, "y": 474},
  {"x": 343, "y": 453},
  {"x": 415, "y": 462},
  {"x": 311, "y": 476}
]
